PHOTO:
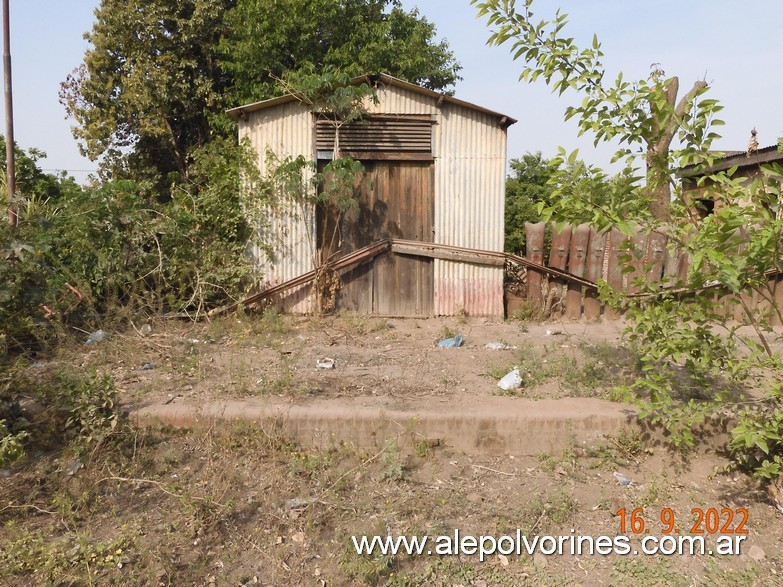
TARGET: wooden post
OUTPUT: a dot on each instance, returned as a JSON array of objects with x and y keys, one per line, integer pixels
[
  {"x": 534, "y": 245},
  {"x": 656, "y": 257},
  {"x": 558, "y": 256},
  {"x": 614, "y": 276},
  {"x": 577, "y": 260},
  {"x": 778, "y": 299},
  {"x": 10, "y": 167},
  {"x": 639, "y": 261},
  {"x": 595, "y": 269}
]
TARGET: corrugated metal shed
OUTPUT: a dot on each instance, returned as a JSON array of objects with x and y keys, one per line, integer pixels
[
  {"x": 468, "y": 180},
  {"x": 286, "y": 131}
]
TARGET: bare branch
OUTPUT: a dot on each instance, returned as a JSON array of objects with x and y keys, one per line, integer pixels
[{"x": 679, "y": 111}]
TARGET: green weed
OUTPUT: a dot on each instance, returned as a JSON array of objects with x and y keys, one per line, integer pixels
[{"x": 393, "y": 462}]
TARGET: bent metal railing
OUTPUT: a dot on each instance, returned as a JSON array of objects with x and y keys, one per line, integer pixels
[{"x": 577, "y": 258}]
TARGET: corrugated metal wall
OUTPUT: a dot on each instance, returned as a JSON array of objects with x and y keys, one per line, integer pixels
[
  {"x": 396, "y": 100},
  {"x": 286, "y": 130},
  {"x": 469, "y": 183},
  {"x": 470, "y": 167}
]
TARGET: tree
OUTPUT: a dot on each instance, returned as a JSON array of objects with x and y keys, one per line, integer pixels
[
  {"x": 149, "y": 86},
  {"x": 153, "y": 88},
  {"x": 359, "y": 36},
  {"x": 694, "y": 360},
  {"x": 526, "y": 188},
  {"x": 31, "y": 180},
  {"x": 562, "y": 187},
  {"x": 643, "y": 116},
  {"x": 301, "y": 189}
]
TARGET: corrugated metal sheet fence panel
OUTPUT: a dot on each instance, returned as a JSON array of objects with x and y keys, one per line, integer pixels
[{"x": 653, "y": 259}]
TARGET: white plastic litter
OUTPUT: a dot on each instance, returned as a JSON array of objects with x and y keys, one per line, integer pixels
[
  {"x": 623, "y": 480},
  {"x": 499, "y": 346},
  {"x": 511, "y": 380},
  {"x": 325, "y": 363},
  {"x": 96, "y": 337}
]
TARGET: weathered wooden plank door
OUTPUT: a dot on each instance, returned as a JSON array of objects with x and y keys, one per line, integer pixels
[
  {"x": 396, "y": 201},
  {"x": 404, "y": 285}
]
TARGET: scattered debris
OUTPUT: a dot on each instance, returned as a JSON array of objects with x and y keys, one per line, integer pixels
[
  {"x": 200, "y": 341},
  {"x": 451, "y": 342},
  {"x": 298, "y": 537},
  {"x": 73, "y": 468},
  {"x": 500, "y": 346},
  {"x": 148, "y": 366},
  {"x": 511, "y": 380},
  {"x": 553, "y": 332},
  {"x": 297, "y": 503},
  {"x": 623, "y": 480},
  {"x": 96, "y": 337},
  {"x": 325, "y": 363}
]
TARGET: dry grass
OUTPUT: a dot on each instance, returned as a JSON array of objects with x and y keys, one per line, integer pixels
[{"x": 239, "y": 504}]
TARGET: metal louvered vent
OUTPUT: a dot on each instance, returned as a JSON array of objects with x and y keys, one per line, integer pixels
[{"x": 387, "y": 137}]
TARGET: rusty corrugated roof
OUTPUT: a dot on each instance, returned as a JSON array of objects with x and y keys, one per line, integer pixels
[{"x": 733, "y": 158}]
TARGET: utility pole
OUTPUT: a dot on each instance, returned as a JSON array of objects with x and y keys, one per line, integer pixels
[{"x": 10, "y": 167}]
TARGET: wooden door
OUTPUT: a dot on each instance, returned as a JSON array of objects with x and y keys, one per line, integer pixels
[{"x": 396, "y": 201}]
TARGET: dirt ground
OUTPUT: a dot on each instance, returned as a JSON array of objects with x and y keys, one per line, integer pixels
[
  {"x": 376, "y": 360},
  {"x": 238, "y": 503}
]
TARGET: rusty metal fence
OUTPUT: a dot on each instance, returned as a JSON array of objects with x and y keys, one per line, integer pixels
[
  {"x": 583, "y": 252},
  {"x": 561, "y": 270}
]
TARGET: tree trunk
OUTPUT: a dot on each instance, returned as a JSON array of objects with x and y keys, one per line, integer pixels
[
  {"x": 660, "y": 192},
  {"x": 667, "y": 119}
]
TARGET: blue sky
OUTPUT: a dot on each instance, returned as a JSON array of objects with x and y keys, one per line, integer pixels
[{"x": 735, "y": 46}]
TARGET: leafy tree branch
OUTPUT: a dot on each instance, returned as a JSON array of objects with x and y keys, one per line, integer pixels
[{"x": 644, "y": 116}]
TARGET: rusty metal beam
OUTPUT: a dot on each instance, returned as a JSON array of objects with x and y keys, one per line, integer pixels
[
  {"x": 406, "y": 247},
  {"x": 490, "y": 257},
  {"x": 345, "y": 262},
  {"x": 434, "y": 251}
]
